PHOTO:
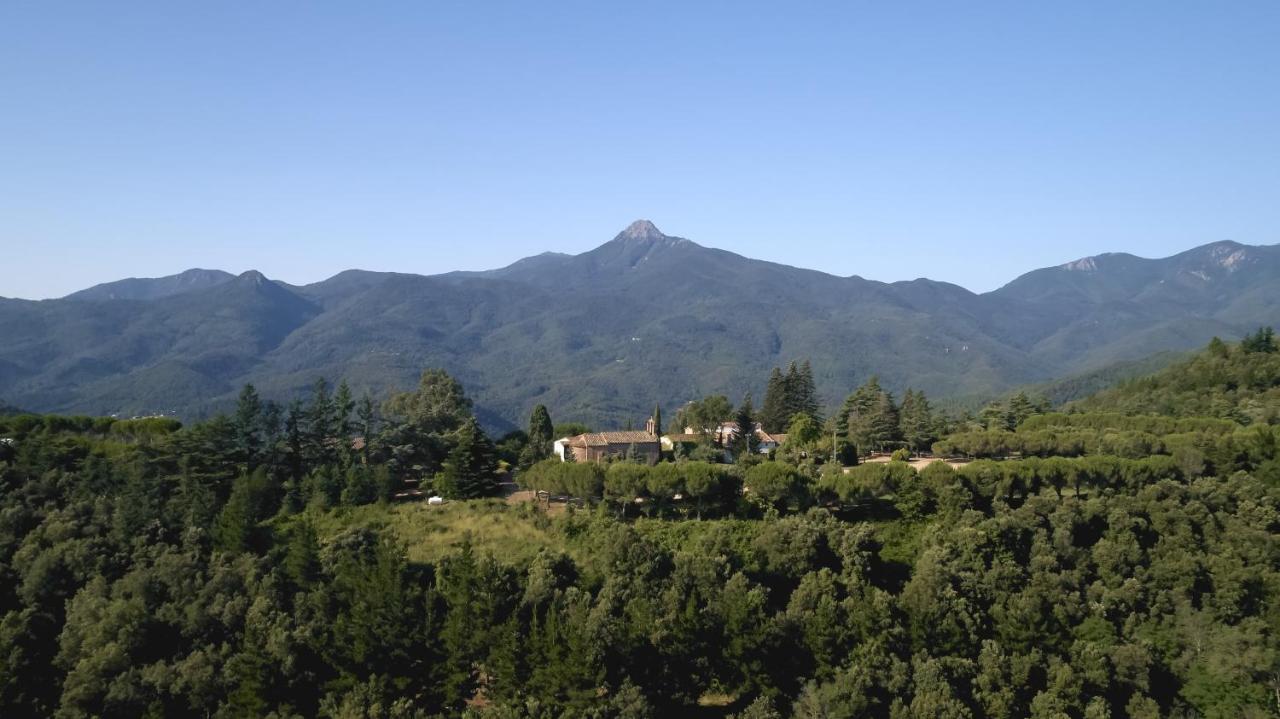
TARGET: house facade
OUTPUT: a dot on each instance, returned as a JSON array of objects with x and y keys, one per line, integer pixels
[{"x": 599, "y": 446}]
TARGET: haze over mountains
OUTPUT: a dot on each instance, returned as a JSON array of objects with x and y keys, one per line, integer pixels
[{"x": 603, "y": 335}]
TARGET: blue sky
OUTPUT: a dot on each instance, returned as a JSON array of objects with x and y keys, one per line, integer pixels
[{"x": 966, "y": 142}]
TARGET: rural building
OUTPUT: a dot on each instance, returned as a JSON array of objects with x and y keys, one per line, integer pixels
[
  {"x": 670, "y": 441},
  {"x": 769, "y": 441},
  {"x": 598, "y": 446},
  {"x": 723, "y": 435}
]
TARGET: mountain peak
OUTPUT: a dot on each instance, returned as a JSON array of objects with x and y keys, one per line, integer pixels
[
  {"x": 641, "y": 230},
  {"x": 1084, "y": 264},
  {"x": 1225, "y": 254},
  {"x": 152, "y": 288}
]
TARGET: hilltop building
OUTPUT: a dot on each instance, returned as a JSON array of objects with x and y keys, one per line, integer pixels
[{"x": 599, "y": 446}]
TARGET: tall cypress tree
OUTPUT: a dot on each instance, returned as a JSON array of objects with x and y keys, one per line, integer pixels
[
  {"x": 657, "y": 419},
  {"x": 746, "y": 441},
  {"x": 774, "y": 413},
  {"x": 540, "y": 437}
]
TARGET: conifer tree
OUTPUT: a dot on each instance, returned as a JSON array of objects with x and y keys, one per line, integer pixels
[
  {"x": 244, "y": 509},
  {"x": 471, "y": 464},
  {"x": 541, "y": 431},
  {"x": 917, "y": 423},
  {"x": 1262, "y": 341},
  {"x": 367, "y": 415},
  {"x": 745, "y": 441},
  {"x": 247, "y": 424},
  {"x": 791, "y": 386},
  {"x": 657, "y": 419},
  {"x": 858, "y": 413},
  {"x": 806, "y": 392},
  {"x": 1020, "y": 408},
  {"x": 319, "y": 423},
  {"x": 882, "y": 425},
  {"x": 295, "y": 439},
  {"x": 343, "y": 405},
  {"x": 302, "y": 555},
  {"x": 775, "y": 410}
]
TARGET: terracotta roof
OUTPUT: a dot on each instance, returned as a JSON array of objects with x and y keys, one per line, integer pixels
[{"x": 597, "y": 439}]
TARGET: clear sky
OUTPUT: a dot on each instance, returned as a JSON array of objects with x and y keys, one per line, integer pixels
[{"x": 966, "y": 142}]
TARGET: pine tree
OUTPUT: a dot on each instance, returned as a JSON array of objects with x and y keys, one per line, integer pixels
[
  {"x": 247, "y": 423},
  {"x": 269, "y": 424},
  {"x": 1263, "y": 341},
  {"x": 302, "y": 555},
  {"x": 791, "y": 390},
  {"x": 244, "y": 509},
  {"x": 806, "y": 392},
  {"x": 855, "y": 421},
  {"x": 367, "y": 416},
  {"x": 469, "y": 471},
  {"x": 917, "y": 423},
  {"x": 319, "y": 423},
  {"x": 774, "y": 411},
  {"x": 366, "y": 422},
  {"x": 360, "y": 486},
  {"x": 343, "y": 405},
  {"x": 295, "y": 439},
  {"x": 882, "y": 425},
  {"x": 1020, "y": 408},
  {"x": 996, "y": 416}
]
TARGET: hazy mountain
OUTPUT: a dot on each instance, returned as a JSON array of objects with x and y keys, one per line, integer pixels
[
  {"x": 603, "y": 335},
  {"x": 153, "y": 288}
]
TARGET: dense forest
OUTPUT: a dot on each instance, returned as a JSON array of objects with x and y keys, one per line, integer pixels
[{"x": 1115, "y": 558}]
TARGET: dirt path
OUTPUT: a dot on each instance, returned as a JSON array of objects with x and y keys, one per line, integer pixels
[{"x": 919, "y": 463}]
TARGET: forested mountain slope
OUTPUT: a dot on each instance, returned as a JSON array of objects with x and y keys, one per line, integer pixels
[
  {"x": 259, "y": 564},
  {"x": 1232, "y": 381},
  {"x": 643, "y": 319}
]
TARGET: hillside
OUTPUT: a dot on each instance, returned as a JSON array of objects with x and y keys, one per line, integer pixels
[
  {"x": 605, "y": 334},
  {"x": 1078, "y": 386},
  {"x": 1084, "y": 564},
  {"x": 1230, "y": 381}
]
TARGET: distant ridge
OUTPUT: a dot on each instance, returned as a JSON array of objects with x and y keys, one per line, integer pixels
[
  {"x": 603, "y": 335},
  {"x": 143, "y": 288}
]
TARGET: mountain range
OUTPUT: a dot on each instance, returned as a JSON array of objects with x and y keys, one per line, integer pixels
[{"x": 604, "y": 335}]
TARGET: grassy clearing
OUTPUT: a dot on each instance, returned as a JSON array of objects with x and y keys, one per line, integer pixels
[{"x": 514, "y": 534}]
